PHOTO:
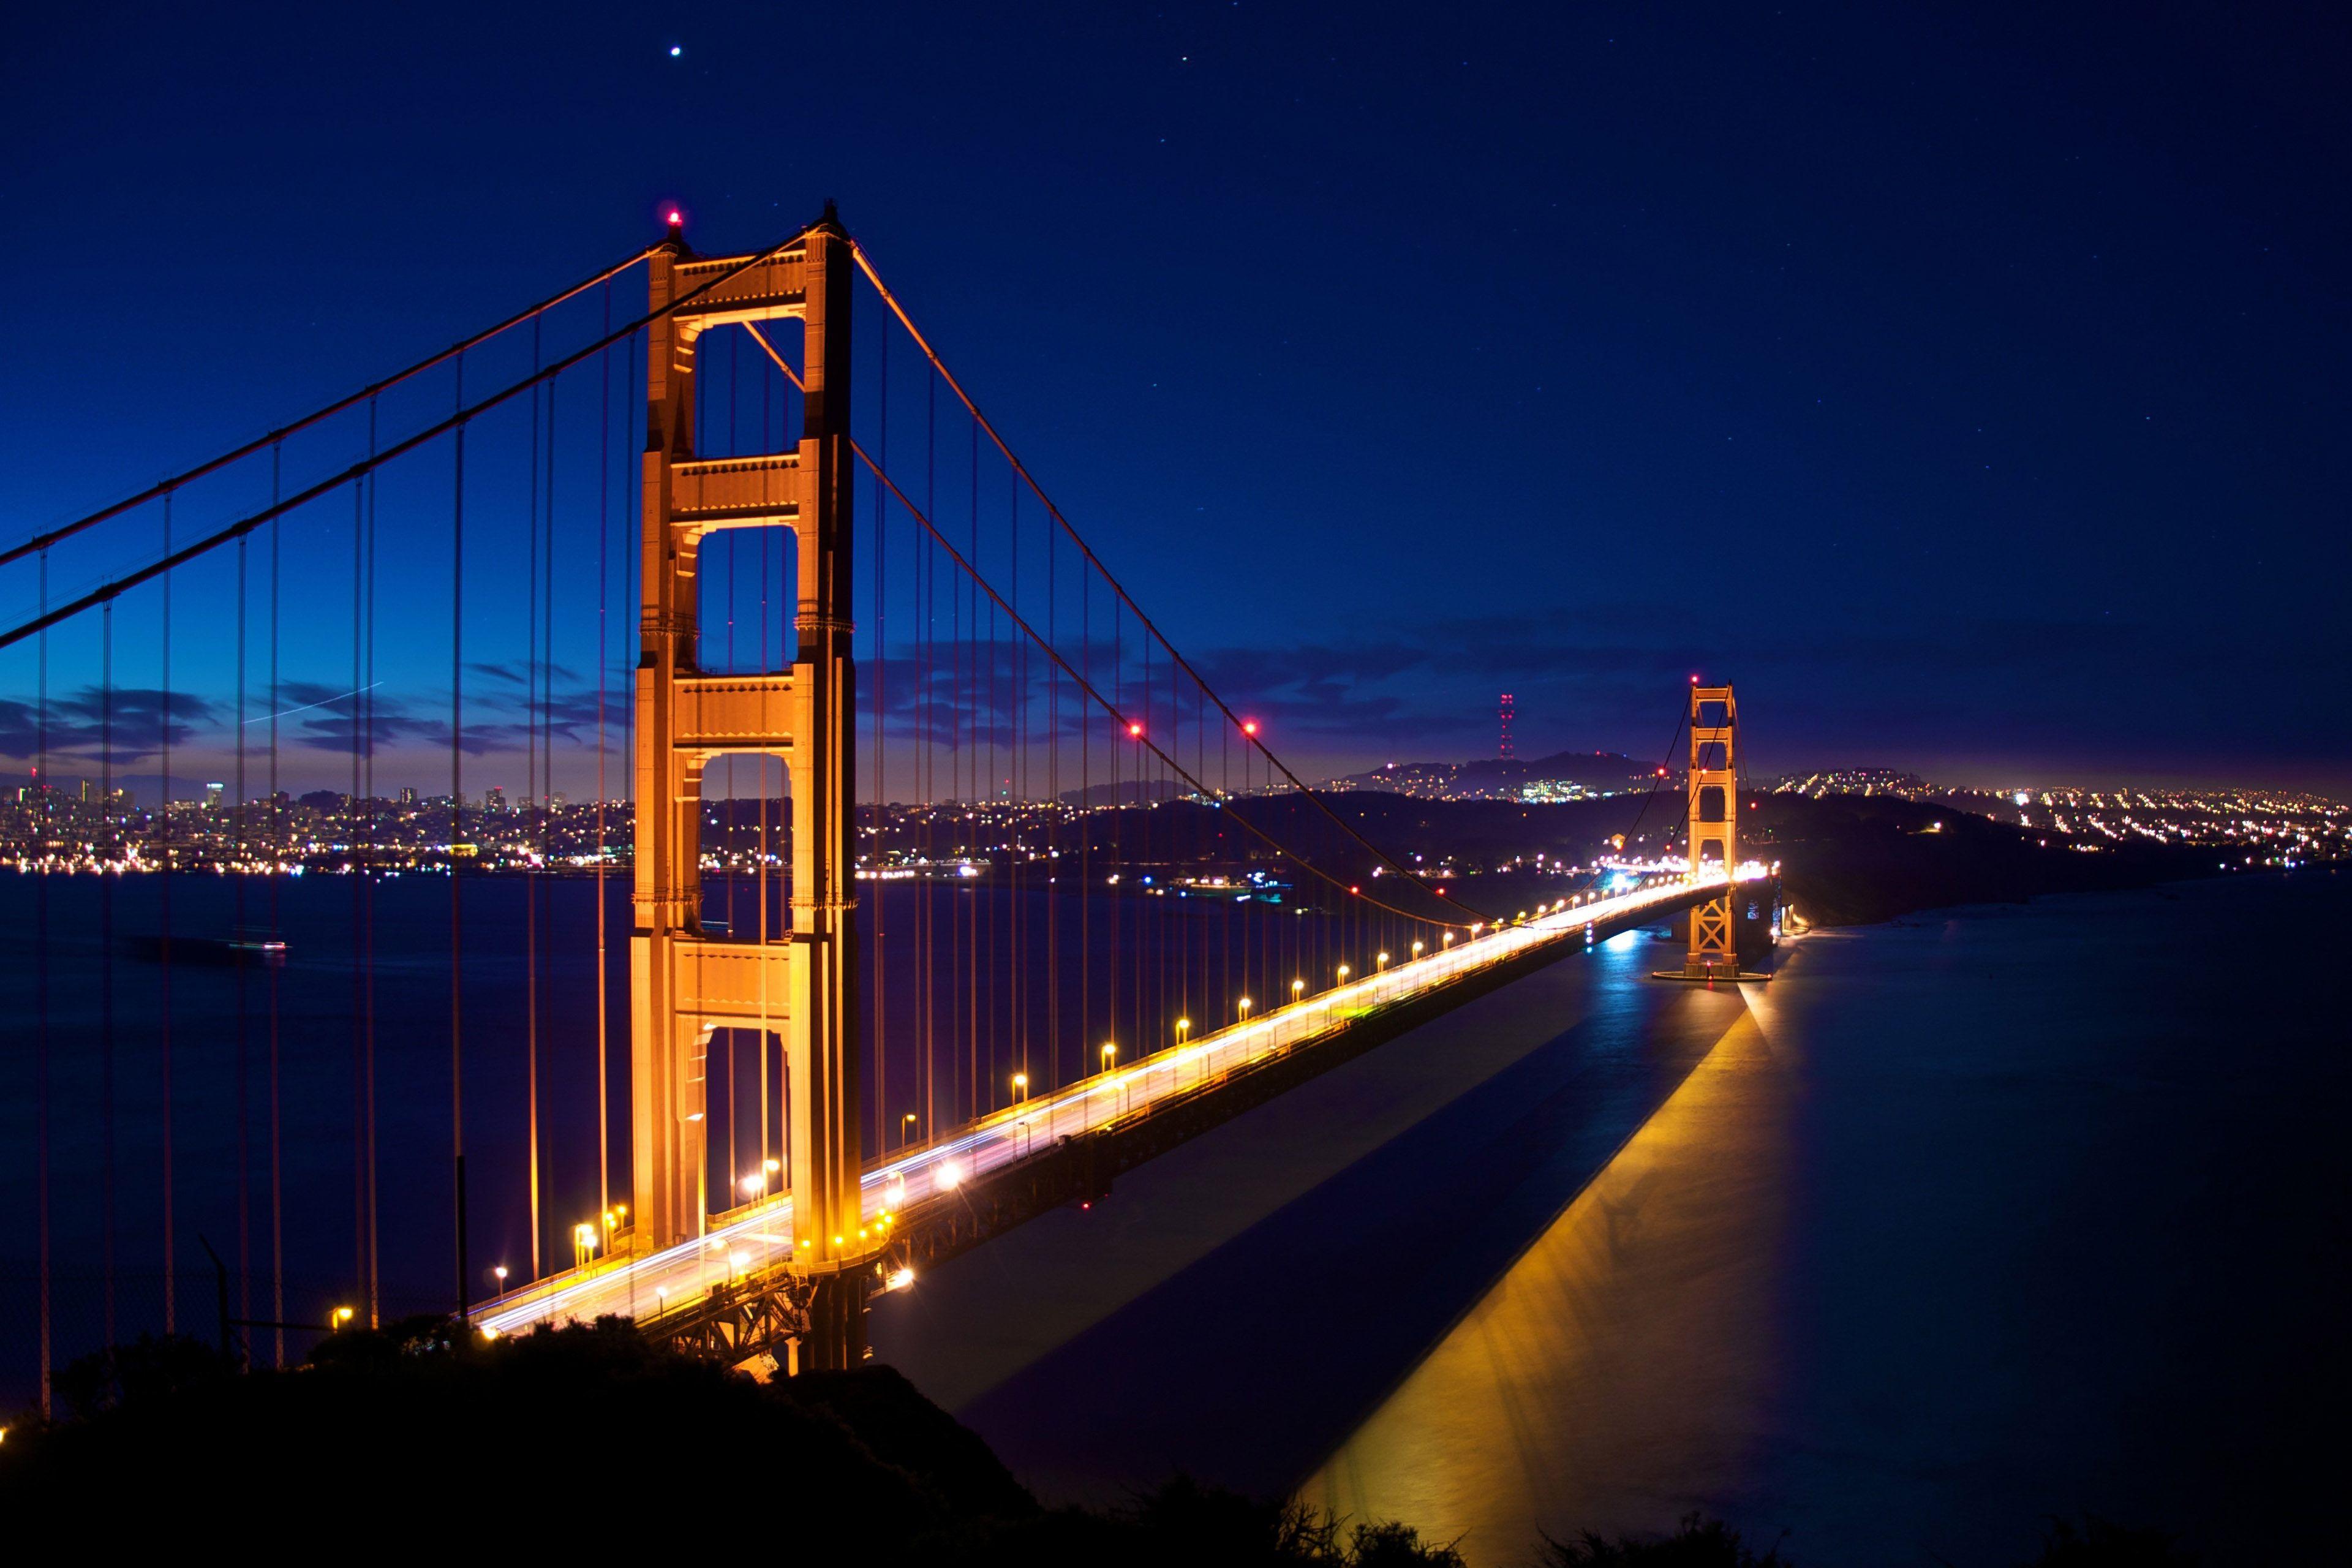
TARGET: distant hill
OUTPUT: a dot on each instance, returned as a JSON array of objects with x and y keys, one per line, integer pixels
[
  {"x": 1127, "y": 791},
  {"x": 1559, "y": 776}
]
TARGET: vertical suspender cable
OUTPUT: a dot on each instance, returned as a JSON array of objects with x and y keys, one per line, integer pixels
[
  {"x": 979, "y": 804},
  {"x": 543, "y": 795},
  {"x": 881, "y": 991},
  {"x": 604, "y": 655},
  {"x": 881, "y": 819},
  {"x": 367, "y": 699},
  {"x": 359, "y": 875},
  {"x": 241, "y": 858},
  {"x": 163, "y": 898},
  {"x": 43, "y": 789},
  {"x": 277, "y": 839},
  {"x": 529, "y": 783},
  {"x": 1056, "y": 816},
  {"x": 457, "y": 837},
  {"x": 635, "y": 375},
  {"x": 117, "y": 846}
]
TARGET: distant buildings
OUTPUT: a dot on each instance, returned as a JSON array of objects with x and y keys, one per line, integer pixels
[{"x": 2251, "y": 827}]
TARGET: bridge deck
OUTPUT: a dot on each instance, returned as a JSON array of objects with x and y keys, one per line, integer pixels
[{"x": 759, "y": 1238}]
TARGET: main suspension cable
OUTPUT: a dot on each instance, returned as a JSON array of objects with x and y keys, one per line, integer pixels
[
  {"x": 375, "y": 460},
  {"x": 866, "y": 266},
  {"x": 1138, "y": 732},
  {"x": 42, "y": 542}
]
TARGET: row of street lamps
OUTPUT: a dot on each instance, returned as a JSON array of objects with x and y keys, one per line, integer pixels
[{"x": 909, "y": 1122}]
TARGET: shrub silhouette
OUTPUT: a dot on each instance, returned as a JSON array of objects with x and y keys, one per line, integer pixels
[
  {"x": 1698, "y": 1543},
  {"x": 2102, "y": 1543}
]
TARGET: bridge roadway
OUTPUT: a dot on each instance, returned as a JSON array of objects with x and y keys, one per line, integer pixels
[{"x": 759, "y": 1236}]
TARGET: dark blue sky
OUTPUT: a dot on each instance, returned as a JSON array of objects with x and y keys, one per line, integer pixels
[{"x": 1970, "y": 391}]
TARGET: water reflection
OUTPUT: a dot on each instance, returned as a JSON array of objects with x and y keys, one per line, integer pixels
[{"x": 1621, "y": 1369}]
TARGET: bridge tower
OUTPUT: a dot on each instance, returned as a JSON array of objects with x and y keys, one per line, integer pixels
[
  {"x": 685, "y": 983},
  {"x": 1714, "y": 826}
]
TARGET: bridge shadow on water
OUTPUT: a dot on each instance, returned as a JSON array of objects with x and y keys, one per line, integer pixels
[{"x": 1236, "y": 1307}]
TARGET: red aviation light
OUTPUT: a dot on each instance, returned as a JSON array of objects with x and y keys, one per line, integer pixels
[
  {"x": 1249, "y": 726},
  {"x": 1134, "y": 731}
]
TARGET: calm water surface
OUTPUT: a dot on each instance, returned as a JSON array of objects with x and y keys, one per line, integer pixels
[{"x": 1960, "y": 1222}]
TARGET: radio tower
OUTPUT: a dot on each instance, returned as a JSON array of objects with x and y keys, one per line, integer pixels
[{"x": 1505, "y": 752}]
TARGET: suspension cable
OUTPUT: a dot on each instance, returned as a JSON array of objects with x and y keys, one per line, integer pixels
[
  {"x": 1137, "y": 732},
  {"x": 866, "y": 266},
  {"x": 1144, "y": 735},
  {"x": 42, "y": 542},
  {"x": 375, "y": 460}
]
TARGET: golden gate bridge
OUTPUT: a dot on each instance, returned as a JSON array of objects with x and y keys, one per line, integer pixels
[{"x": 1011, "y": 899}]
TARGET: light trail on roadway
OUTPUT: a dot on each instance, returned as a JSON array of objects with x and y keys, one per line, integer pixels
[{"x": 759, "y": 1237}]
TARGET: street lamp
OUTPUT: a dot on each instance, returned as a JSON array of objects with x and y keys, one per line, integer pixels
[
  {"x": 500, "y": 1271},
  {"x": 1344, "y": 972},
  {"x": 1384, "y": 960},
  {"x": 1109, "y": 1055},
  {"x": 907, "y": 1128},
  {"x": 1448, "y": 939},
  {"x": 1246, "y": 1008},
  {"x": 1020, "y": 1087},
  {"x": 1184, "y": 1027},
  {"x": 1417, "y": 947},
  {"x": 1296, "y": 988}
]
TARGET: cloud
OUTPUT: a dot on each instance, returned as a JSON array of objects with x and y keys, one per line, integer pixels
[{"x": 92, "y": 725}]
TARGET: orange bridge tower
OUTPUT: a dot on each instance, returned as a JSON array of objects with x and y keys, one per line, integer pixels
[
  {"x": 684, "y": 983},
  {"x": 1714, "y": 827}
]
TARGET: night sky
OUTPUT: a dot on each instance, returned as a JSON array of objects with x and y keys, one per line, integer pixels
[{"x": 1970, "y": 391}]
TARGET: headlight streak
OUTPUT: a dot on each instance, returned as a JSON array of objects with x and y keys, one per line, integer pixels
[{"x": 762, "y": 1236}]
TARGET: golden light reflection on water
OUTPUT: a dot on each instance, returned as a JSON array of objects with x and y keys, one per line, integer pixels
[{"x": 1615, "y": 1375}]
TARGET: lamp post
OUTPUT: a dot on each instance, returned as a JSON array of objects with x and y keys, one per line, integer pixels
[
  {"x": 1384, "y": 961},
  {"x": 1184, "y": 1027},
  {"x": 906, "y": 1124},
  {"x": 1020, "y": 1087},
  {"x": 1245, "y": 1009}
]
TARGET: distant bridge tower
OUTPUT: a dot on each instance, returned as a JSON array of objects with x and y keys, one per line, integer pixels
[
  {"x": 1505, "y": 752},
  {"x": 1714, "y": 826},
  {"x": 683, "y": 983}
]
